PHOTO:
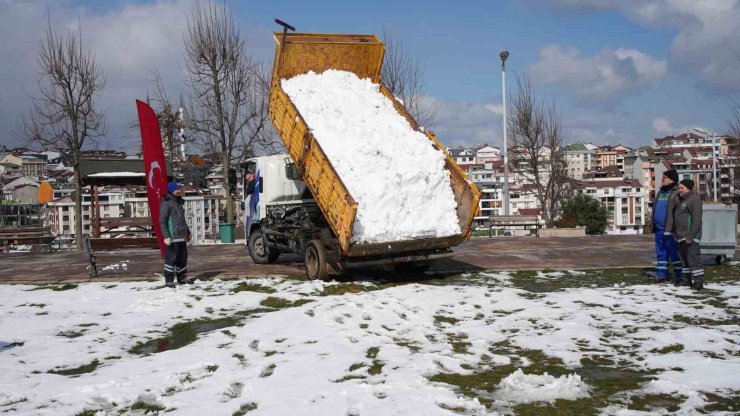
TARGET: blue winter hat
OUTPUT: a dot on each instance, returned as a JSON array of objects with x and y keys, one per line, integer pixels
[{"x": 173, "y": 186}]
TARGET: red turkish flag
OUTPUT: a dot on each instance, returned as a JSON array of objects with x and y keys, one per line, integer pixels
[{"x": 155, "y": 168}]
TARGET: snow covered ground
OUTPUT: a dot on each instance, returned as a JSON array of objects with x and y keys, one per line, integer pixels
[{"x": 488, "y": 343}]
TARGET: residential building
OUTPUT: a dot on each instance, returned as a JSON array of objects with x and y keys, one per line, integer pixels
[
  {"x": 624, "y": 199},
  {"x": 61, "y": 214},
  {"x": 464, "y": 157},
  {"x": 487, "y": 154},
  {"x": 22, "y": 190},
  {"x": 12, "y": 165},
  {"x": 580, "y": 159},
  {"x": 31, "y": 166}
]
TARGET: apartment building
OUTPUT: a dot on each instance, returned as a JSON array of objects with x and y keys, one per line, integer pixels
[{"x": 624, "y": 199}]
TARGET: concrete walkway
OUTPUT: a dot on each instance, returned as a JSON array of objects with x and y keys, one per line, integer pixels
[{"x": 496, "y": 254}]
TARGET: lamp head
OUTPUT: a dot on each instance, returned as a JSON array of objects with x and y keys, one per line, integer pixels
[{"x": 503, "y": 55}]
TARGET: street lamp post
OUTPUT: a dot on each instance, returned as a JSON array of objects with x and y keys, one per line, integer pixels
[
  {"x": 714, "y": 165},
  {"x": 503, "y": 55}
]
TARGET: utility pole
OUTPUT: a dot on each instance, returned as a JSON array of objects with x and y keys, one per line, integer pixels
[{"x": 503, "y": 55}]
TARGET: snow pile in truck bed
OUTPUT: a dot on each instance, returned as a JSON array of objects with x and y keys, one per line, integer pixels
[{"x": 397, "y": 178}]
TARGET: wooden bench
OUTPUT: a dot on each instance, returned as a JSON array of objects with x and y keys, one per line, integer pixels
[
  {"x": 122, "y": 243},
  {"x": 38, "y": 236}
]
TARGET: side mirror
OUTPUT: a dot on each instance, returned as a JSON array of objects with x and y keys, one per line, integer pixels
[{"x": 291, "y": 172}]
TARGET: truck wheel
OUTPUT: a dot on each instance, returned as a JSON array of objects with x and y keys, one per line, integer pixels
[
  {"x": 316, "y": 261},
  {"x": 257, "y": 250},
  {"x": 411, "y": 268}
]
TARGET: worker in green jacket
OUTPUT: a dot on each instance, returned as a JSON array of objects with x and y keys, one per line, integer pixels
[{"x": 684, "y": 224}]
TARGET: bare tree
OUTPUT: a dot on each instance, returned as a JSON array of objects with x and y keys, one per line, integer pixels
[
  {"x": 227, "y": 100},
  {"x": 64, "y": 115},
  {"x": 537, "y": 137},
  {"x": 404, "y": 77}
]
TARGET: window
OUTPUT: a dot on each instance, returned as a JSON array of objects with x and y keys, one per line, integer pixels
[
  {"x": 65, "y": 217},
  {"x": 624, "y": 201}
]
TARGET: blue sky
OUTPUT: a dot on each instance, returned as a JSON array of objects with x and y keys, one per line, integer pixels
[{"x": 620, "y": 71}]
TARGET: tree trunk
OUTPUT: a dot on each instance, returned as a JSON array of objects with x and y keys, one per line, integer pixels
[
  {"x": 227, "y": 188},
  {"x": 78, "y": 208}
]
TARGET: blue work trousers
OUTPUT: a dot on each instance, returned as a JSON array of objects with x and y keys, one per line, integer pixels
[{"x": 666, "y": 250}]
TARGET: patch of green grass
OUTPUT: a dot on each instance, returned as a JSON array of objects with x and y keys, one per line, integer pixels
[
  {"x": 654, "y": 402},
  {"x": 71, "y": 334},
  {"x": 212, "y": 368},
  {"x": 76, "y": 371},
  {"x": 106, "y": 314},
  {"x": 349, "y": 377},
  {"x": 252, "y": 287},
  {"x": 439, "y": 319},
  {"x": 668, "y": 349},
  {"x": 376, "y": 368},
  {"x": 343, "y": 289},
  {"x": 377, "y": 365},
  {"x": 280, "y": 303},
  {"x": 67, "y": 286},
  {"x": 240, "y": 357},
  {"x": 355, "y": 366},
  {"x": 87, "y": 412},
  {"x": 228, "y": 333},
  {"x": 700, "y": 321},
  {"x": 147, "y": 407},
  {"x": 87, "y": 325},
  {"x": 372, "y": 352},
  {"x": 719, "y": 403},
  {"x": 364, "y": 326},
  {"x": 182, "y": 334},
  {"x": 245, "y": 408},
  {"x": 113, "y": 357},
  {"x": 267, "y": 372},
  {"x": 600, "y": 373},
  {"x": 459, "y": 343}
]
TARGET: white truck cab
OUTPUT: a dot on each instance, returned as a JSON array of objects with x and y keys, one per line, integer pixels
[{"x": 277, "y": 183}]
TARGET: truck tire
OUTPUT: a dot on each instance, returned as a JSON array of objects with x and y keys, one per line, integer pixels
[
  {"x": 316, "y": 261},
  {"x": 257, "y": 250}
]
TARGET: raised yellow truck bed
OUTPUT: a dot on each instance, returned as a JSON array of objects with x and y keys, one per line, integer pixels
[{"x": 299, "y": 53}]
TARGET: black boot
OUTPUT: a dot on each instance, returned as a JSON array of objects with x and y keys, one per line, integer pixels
[
  {"x": 171, "y": 285},
  {"x": 697, "y": 285}
]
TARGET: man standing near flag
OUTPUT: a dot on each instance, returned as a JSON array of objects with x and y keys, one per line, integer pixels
[{"x": 176, "y": 235}]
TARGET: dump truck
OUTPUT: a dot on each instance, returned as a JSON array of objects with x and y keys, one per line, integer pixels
[{"x": 301, "y": 205}]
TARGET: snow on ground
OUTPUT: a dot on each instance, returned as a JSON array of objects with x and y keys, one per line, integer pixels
[
  {"x": 361, "y": 348},
  {"x": 397, "y": 178}
]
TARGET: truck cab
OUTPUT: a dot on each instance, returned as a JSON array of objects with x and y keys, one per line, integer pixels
[
  {"x": 277, "y": 183},
  {"x": 279, "y": 205}
]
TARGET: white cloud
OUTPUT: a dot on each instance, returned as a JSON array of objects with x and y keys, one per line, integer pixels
[
  {"x": 707, "y": 39},
  {"x": 495, "y": 108},
  {"x": 664, "y": 127},
  {"x": 466, "y": 123},
  {"x": 604, "y": 78},
  {"x": 128, "y": 42}
]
